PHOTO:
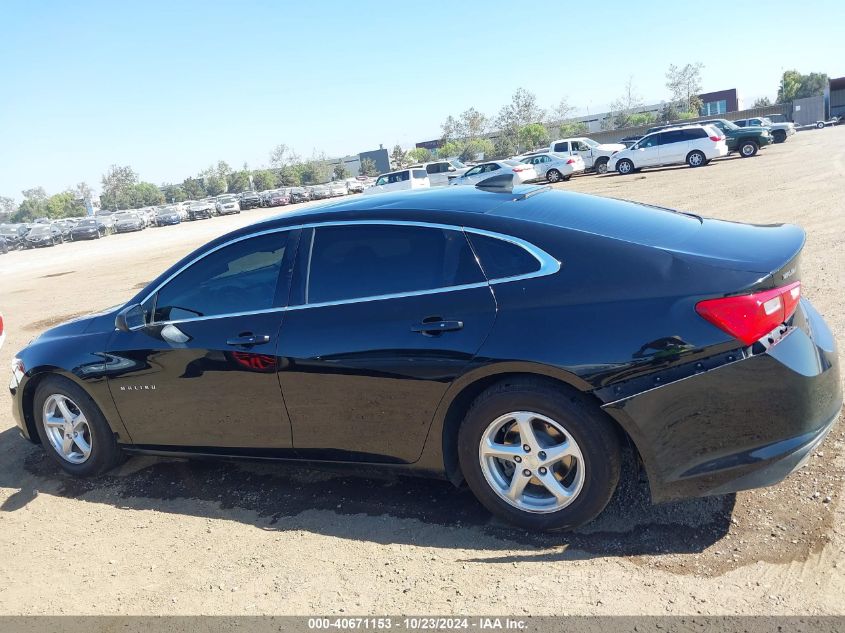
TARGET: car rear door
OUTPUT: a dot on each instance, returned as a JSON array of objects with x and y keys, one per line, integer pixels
[
  {"x": 202, "y": 372},
  {"x": 673, "y": 147},
  {"x": 383, "y": 316}
]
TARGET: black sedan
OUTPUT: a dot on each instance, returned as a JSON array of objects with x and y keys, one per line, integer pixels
[
  {"x": 167, "y": 217},
  {"x": 88, "y": 229},
  {"x": 4, "y": 246},
  {"x": 513, "y": 339},
  {"x": 43, "y": 235},
  {"x": 250, "y": 200}
]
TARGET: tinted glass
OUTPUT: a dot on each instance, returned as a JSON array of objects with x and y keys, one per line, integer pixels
[
  {"x": 561, "y": 147},
  {"x": 673, "y": 136},
  {"x": 473, "y": 171},
  {"x": 695, "y": 133},
  {"x": 420, "y": 173},
  {"x": 501, "y": 259},
  {"x": 237, "y": 278},
  {"x": 355, "y": 261}
]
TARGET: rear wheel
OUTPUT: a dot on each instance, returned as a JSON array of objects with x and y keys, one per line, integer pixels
[
  {"x": 553, "y": 175},
  {"x": 696, "y": 159},
  {"x": 779, "y": 136},
  {"x": 72, "y": 428},
  {"x": 624, "y": 167},
  {"x": 747, "y": 149},
  {"x": 538, "y": 456}
]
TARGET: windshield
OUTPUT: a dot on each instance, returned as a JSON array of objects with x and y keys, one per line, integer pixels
[
  {"x": 727, "y": 124},
  {"x": 226, "y": 200},
  {"x": 456, "y": 163},
  {"x": 38, "y": 230},
  {"x": 87, "y": 223},
  {"x": 589, "y": 142},
  {"x": 124, "y": 216}
]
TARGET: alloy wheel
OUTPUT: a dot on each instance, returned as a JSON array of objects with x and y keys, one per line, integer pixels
[
  {"x": 553, "y": 175},
  {"x": 67, "y": 428},
  {"x": 532, "y": 462}
]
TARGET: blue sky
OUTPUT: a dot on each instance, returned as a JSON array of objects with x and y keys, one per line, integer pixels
[{"x": 171, "y": 87}]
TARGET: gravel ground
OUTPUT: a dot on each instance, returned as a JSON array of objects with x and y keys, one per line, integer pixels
[{"x": 176, "y": 537}]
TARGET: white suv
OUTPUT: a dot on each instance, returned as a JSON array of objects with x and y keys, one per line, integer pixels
[
  {"x": 442, "y": 171},
  {"x": 695, "y": 145},
  {"x": 399, "y": 181}
]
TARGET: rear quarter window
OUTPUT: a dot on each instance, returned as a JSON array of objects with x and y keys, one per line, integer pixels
[
  {"x": 500, "y": 259},
  {"x": 420, "y": 173}
]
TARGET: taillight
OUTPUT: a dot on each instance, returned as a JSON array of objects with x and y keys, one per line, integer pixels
[
  {"x": 716, "y": 138},
  {"x": 571, "y": 161},
  {"x": 1, "y": 324},
  {"x": 519, "y": 169},
  {"x": 750, "y": 317}
]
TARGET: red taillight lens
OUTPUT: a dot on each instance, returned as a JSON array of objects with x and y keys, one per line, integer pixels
[
  {"x": 519, "y": 169},
  {"x": 716, "y": 138},
  {"x": 750, "y": 317},
  {"x": 571, "y": 161},
  {"x": 1, "y": 324}
]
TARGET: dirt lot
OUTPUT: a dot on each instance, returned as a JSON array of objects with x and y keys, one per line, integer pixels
[{"x": 170, "y": 536}]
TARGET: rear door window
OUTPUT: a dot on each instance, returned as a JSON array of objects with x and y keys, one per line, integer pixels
[
  {"x": 368, "y": 260},
  {"x": 562, "y": 147}
]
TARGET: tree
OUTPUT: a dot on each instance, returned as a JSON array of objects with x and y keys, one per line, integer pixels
[
  {"x": 368, "y": 167},
  {"x": 398, "y": 158},
  {"x": 288, "y": 176},
  {"x": 639, "y": 119},
  {"x": 83, "y": 191},
  {"x": 521, "y": 111},
  {"x": 762, "y": 102},
  {"x": 623, "y": 107},
  {"x": 669, "y": 112},
  {"x": 504, "y": 146},
  {"x": 238, "y": 181},
  {"x": 467, "y": 149},
  {"x": 145, "y": 194},
  {"x": 282, "y": 155},
  {"x": 65, "y": 205},
  {"x": 573, "y": 128},
  {"x": 7, "y": 207},
  {"x": 533, "y": 135},
  {"x": 684, "y": 84},
  {"x": 419, "y": 155},
  {"x": 340, "y": 172},
  {"x": 794, "y": 85},
  {"x": 194, "y": 188},
  {"x": 34, "y": 205},
  {"x": 174, "y": 193},
  {"x": 117, "y": 187},
  {"x": 265, "y": 179},
  {"x": 560, "y": 112},
  {"x": 470, "y": 124}
]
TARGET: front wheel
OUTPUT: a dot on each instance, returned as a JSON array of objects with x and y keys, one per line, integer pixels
[
  {"x": 748, "y": 149},
  {"x": 601, "y": 167},
  {"x": 624, "y": 167},
  {"x": 538, "y": 456},
  {"x": 553, "y": 175},
  {"x": 72, "y": 428},
  {"x": 696, "y": 159}
]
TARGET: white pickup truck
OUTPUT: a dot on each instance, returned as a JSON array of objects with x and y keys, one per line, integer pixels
[
  {"x": 595, "y": 155},
  {"x": 779, "y": 130}
]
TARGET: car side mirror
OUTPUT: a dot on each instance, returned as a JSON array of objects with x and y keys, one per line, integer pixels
[{"x": 130, "y": 319}]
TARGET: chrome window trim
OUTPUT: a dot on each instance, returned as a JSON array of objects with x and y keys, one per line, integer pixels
[{"x": 548, "y": 266}]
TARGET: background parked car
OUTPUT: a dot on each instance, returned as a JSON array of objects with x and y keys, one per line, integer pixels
[
  {"x": 14, "y": 234},
  {"x": 4, "y": 248},
  {"x": 227, "y": 205},
  {"x": 299, "y": 194},
  {"x": 400, "y": 180},
  {"x": 337, "y": 188},
  {"x": 442, "y": 171},
  {"x": 695, "y": 145},
  {"x": 127, "y": 222},
  {"x": 250, "y": 200},
  {"x": 89, "y": 229},
  {"x": 43, "y": 235},
  {"x": 167, "y": 216},
  {"x": 554, "y": 167},
  {"x": 780, "y": 131},
  {"x": 199, "y": 210},
  {"x": 278, "y": 198},
  {"x": 595, "y": 155},
  {"x": 519, "y": 171}
]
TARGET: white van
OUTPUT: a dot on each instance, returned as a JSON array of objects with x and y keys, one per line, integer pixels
[{"x": 412, "y": 178}]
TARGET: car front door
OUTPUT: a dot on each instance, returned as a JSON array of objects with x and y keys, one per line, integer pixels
[
  {"x": 673, "y": 147},
  {"x": 646, "y": 152},
  {"x": 202, "y": 372},
  {"x": 579, "y": 148},
  {"x": 383, "y": 317}
]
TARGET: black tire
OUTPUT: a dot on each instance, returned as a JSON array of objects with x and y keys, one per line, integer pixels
[
  {"x": 820, "y": 125},
  {"x": 696, "y": 158},
  {"x": 567, "y": 178},
  {"x": 553, "y": 175},
  {"x": 600, "y": 166},
  {"x": 779, "y": 136},
  {"x": 747, "y": 149},
  {"x": 105, "y": 453},
  {"x": 591, "y": 430},
  {"x": 624, "y": 167}
]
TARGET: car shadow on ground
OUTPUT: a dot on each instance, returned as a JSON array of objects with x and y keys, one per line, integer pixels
[{"x": 283, "y": 496}]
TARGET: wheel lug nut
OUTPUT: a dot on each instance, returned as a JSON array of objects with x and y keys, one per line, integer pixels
[
  {"x": 543, "y": 471},
  {"x": 526, "y": 448},
  {"x": 517, "y": 459},
  {"x": 526, "y": 472},
  {"x": 541, "y": 455}
]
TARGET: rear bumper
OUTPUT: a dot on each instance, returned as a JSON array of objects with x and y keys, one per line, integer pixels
[{"x": 743, "y": 424}]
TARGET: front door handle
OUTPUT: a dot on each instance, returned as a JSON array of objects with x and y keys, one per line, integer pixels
[
  {"x": 431, "y": 327},
  {"x": 247, "y": 340}
]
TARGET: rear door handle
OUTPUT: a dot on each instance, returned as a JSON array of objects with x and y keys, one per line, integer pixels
[
  {"x": 435, "y": 327},
  {"x": 248, "y": 340}
]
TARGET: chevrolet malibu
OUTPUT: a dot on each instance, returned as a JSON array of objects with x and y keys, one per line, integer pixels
[{"x": 512, "y": 340}]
